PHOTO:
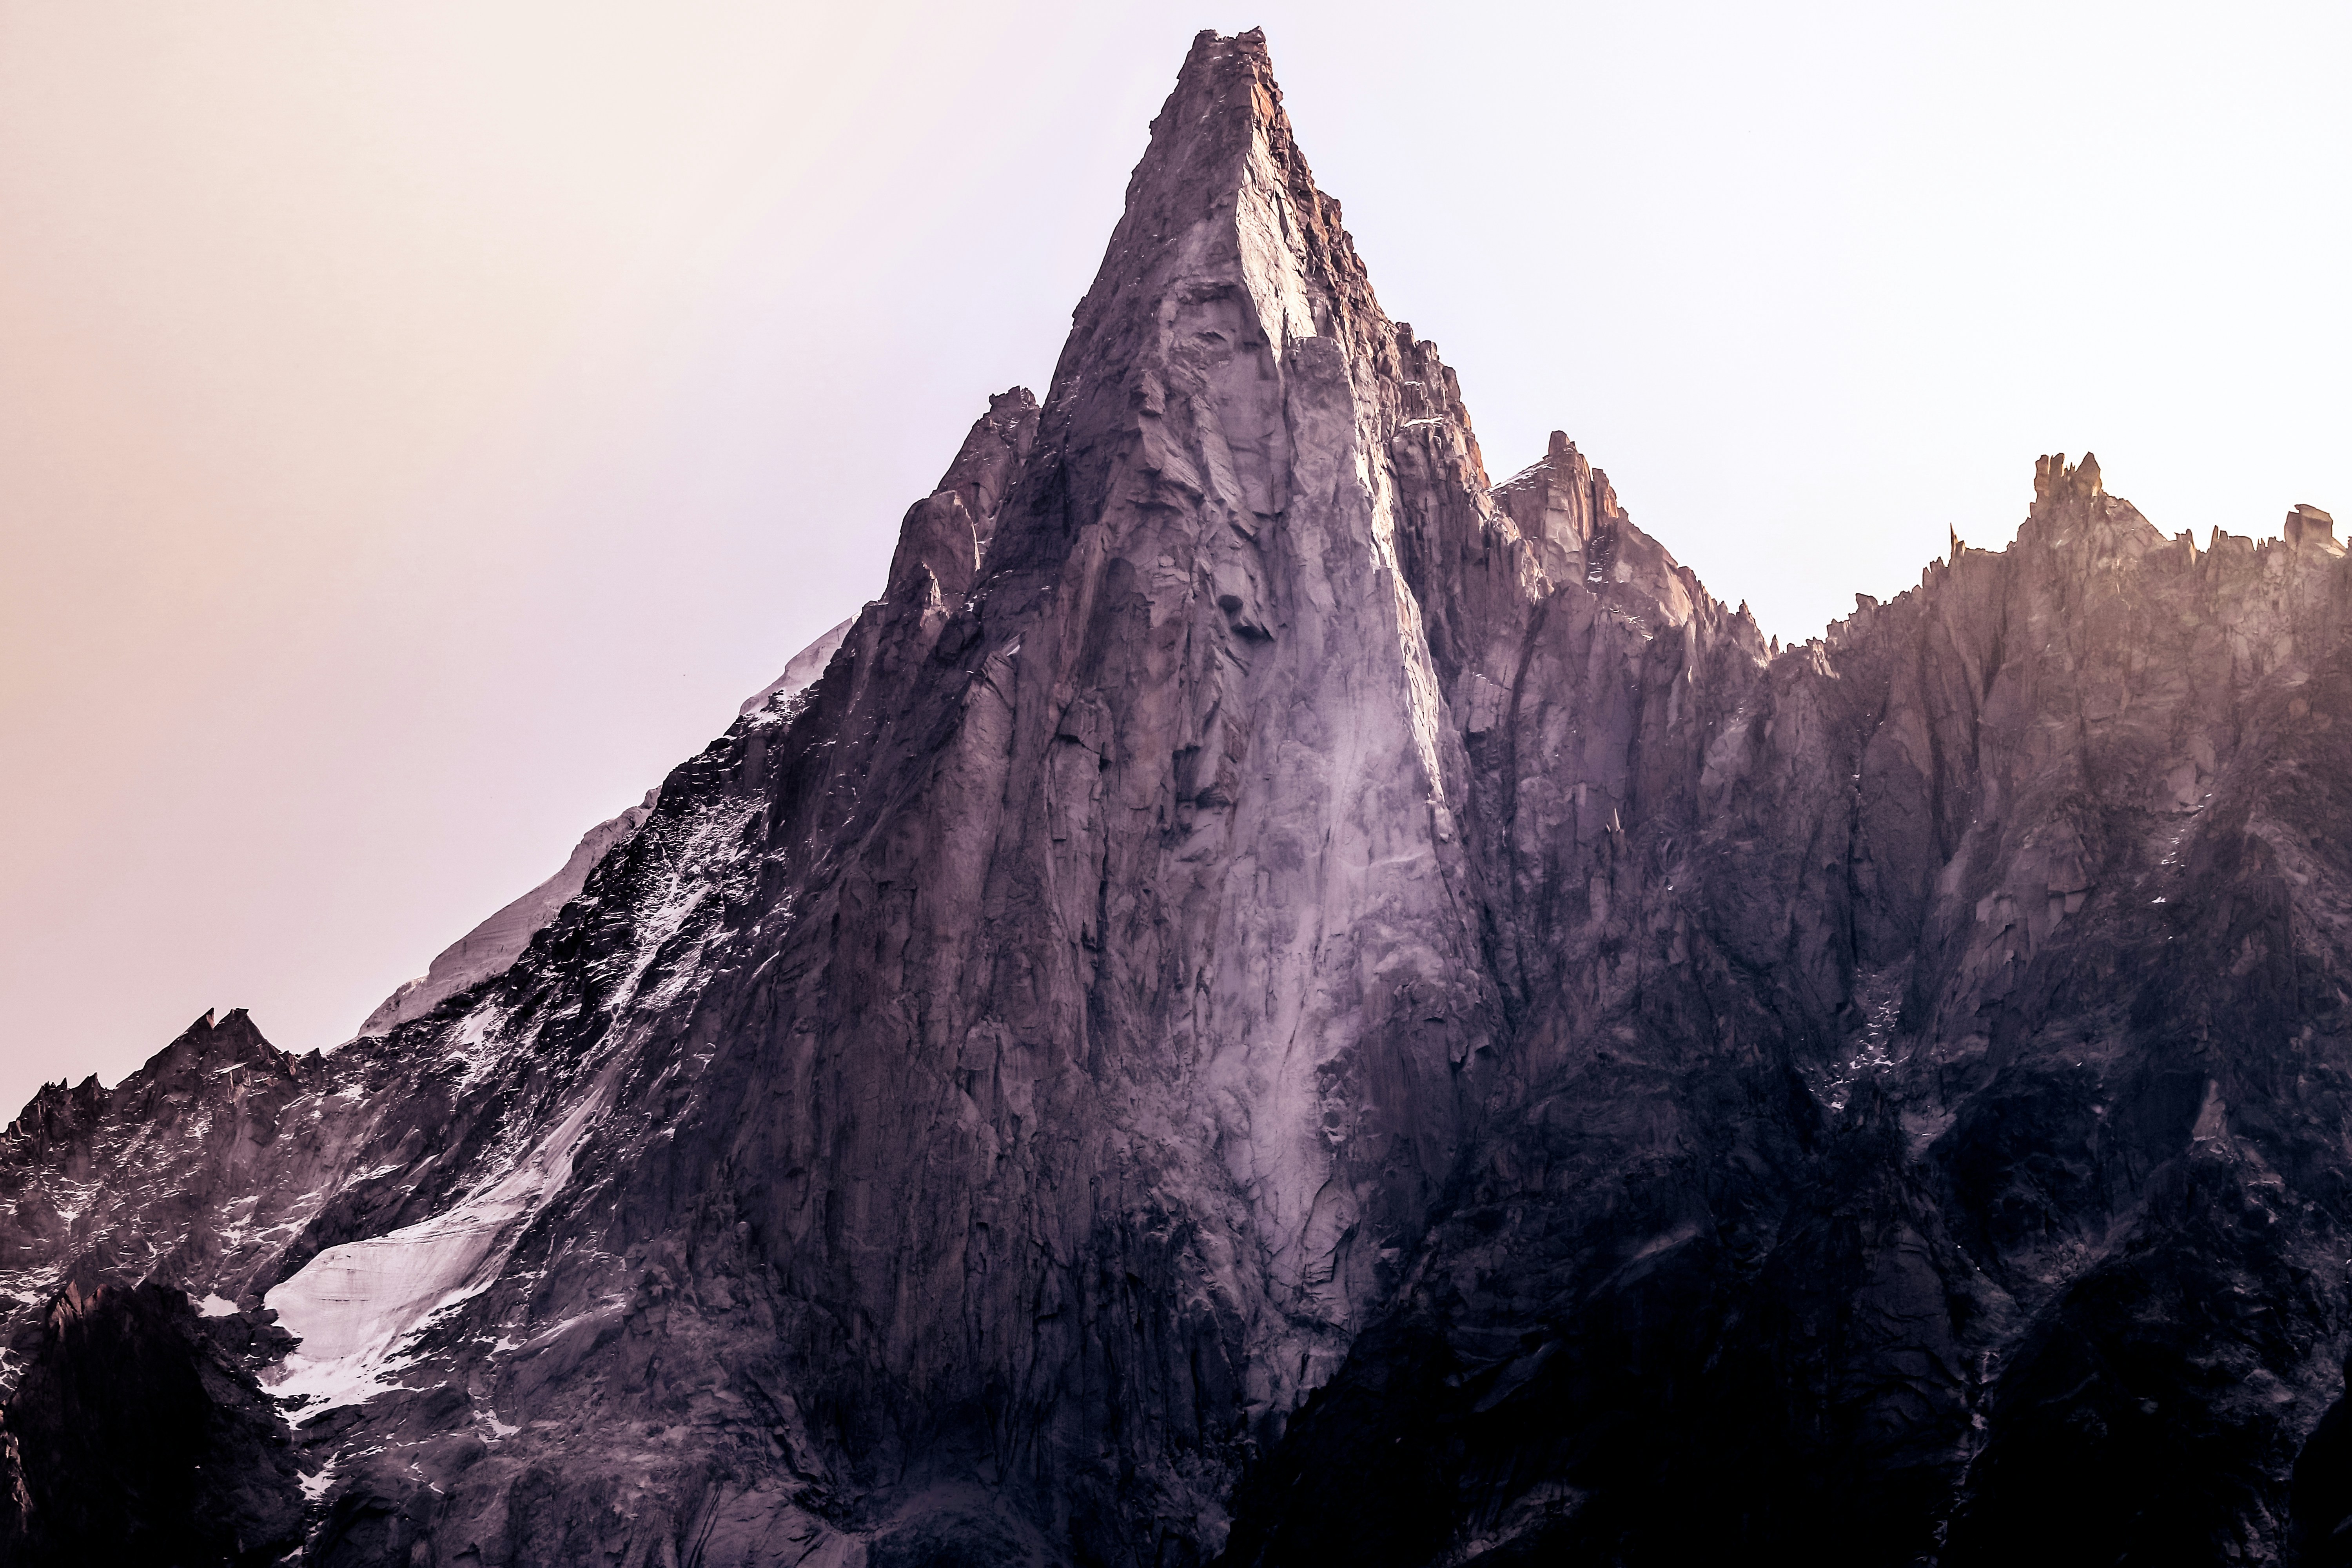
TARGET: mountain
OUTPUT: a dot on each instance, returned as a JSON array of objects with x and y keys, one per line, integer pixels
[
  {"x": 490, "y": 948},
  {"x": 1280, "y": 1002}
]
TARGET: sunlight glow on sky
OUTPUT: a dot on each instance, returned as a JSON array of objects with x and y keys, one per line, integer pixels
[{"x": 420, "y": 425}]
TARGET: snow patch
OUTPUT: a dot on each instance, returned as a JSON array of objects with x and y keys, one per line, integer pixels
[
  {"x": 801, "y": 671},
  {"x": 355, "y": 1306},
  {"x": 701, "y": 858},
  {"x": 212, "y": 1306}
]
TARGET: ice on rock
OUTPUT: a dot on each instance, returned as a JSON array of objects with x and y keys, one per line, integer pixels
[
  {"x": 352, "y": 1306},
  {"x": 801, "y": 671},
  {"x": 491, "y": 947}
]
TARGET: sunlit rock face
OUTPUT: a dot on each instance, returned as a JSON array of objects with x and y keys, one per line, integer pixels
[{"x": 1278, "y": 1001}]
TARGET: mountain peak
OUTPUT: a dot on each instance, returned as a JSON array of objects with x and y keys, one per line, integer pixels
[
  {"x": 1222, "y": 196},
  {"x": 1278, "y": 1001},
  {"x": 1224, "y": 105},
  {"x": 2056, "y": 480}
]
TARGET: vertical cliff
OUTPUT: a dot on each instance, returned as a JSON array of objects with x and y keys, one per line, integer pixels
[{"x": 1923, "y": 1133}]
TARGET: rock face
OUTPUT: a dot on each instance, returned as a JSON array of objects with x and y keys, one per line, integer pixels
[
  {"x": 136, "y": 1437},
  {"x": 492, "y": 947},
  {"x": 1280, "y": 1002},
  {"x": 801, "y": 672}
]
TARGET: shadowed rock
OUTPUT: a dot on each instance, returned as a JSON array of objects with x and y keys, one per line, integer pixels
[{"x": 134, "y": 1437}]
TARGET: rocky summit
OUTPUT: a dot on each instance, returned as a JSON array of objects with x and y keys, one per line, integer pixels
[{"x": 1275, "y": 1000}]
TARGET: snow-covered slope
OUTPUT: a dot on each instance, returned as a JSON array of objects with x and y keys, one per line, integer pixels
[
  {"x": 490, "y": 947},
  {"x": 497, "y": 942},
  {"x": 801, "y": 671}
]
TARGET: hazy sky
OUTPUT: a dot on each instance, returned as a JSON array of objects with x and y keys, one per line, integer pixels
[{"x": 421, "y": 425}]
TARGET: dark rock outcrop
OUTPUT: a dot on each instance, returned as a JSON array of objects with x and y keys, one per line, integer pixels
[
  {"x": 1280, "y": 1001},
  {"x": 137, "y": 1436},
  {"x": 2320, "y": 1501}
]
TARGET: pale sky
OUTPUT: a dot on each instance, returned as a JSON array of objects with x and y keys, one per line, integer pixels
[{"x": 421, "y": 425}]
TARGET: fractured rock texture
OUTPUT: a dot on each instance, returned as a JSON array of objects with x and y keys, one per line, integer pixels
[
  {"x": 492, "y": 947},
  {"x": 1278, "y": 1000}
]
